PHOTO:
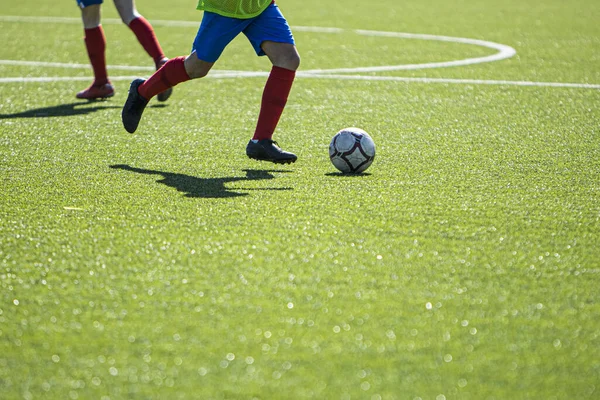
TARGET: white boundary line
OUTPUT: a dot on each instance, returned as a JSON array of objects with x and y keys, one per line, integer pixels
[
  {"x": 453, "y": 81},
  {"x": 77, "y": 21},
  {"x": 243, "y": 74},
  {"x": 504, "y": 52},
  {"x": 46, "y": 64}
]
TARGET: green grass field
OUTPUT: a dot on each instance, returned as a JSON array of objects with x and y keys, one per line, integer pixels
[{"x": 465, "y": 264}]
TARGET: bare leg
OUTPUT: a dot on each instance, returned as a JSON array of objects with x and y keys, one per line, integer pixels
[
  {"x": 195, "y": 67},
  {"x": 282, "y": 55},
  {"x": 90, "y": 16},
  {"x": 127, "y": 10}
]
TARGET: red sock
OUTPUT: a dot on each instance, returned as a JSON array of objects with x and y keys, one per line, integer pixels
[
  {"x": 95, "y": 43},
  {"x": 169, "y": 75},
  {"x": 274, "y": 98},
  {"x": 145, "y": 35}
]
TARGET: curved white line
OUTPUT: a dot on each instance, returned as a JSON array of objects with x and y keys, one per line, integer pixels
[{"x": 503, "y": 53}]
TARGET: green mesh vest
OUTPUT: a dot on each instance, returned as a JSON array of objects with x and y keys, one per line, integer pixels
[{"x": 234, "y": 8}]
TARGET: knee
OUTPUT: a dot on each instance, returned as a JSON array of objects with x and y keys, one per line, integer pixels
[
  {"x": 128, "y": 16},
  {"x": 289, "y": 59},
  {"x": 196, "y": 73},
  {"x": 126, "y": 10},
  {"x": 292, "y": 62},
  {"x": 196, "y": 68},
  {"x": 127, "y": 19}
]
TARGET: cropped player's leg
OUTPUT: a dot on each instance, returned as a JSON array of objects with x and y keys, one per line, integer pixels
[
  {"x": 95, "y": 44},
  {"x": 145, "y": 35},
  {"x": 271, "y": 36}
]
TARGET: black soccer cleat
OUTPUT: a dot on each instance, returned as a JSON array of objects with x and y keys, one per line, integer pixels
[
  {"x": 134, "y": 107},
  {"x": 164, "y": 96},
  {"x": 269, "y": 150}
]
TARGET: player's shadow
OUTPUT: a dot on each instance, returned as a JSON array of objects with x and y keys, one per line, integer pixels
[
  {"x": 207, "y": 187},
  {"x": 61, "y": 110}
]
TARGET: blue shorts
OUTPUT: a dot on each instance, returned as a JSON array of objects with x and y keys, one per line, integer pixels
[
  {"x": 217, "y": 31},
  {"x": 85, "y": 3}
]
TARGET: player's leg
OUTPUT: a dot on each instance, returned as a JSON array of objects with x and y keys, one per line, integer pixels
[
  {"x": 172, "y": 73},
  {"x": 90, "y": 13},
  {"x": 95, "y": 44},
  {"x": 214, "y": 34},
  {"x": 142, "y": 29},
  {"x": 145, "y": 34},
  {"x": 285, "y": 60},
  {"x": 271, "y": 36},
  {"x": 282, "y": 55}
]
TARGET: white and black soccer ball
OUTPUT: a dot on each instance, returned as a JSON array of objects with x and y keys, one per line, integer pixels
[{"x": 352, "y": 150}]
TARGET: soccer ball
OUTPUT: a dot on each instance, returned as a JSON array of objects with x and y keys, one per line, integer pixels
[{"x": 352, "y": 150}]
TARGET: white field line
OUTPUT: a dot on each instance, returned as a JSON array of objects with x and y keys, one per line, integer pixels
[
  {"x": 452, "y": 81},
  {"x": 246, "y": 74},
  {"x": 77, "y": 21},
  {"x": 42, "y": 79},
  {"x": 45, "y": 64},
  {"x": 212, "y": 74},
  {"x": 157, "y": 22},
  {"x": 504, "y": 51}
]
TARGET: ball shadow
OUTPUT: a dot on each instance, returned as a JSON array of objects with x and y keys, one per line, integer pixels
[{"x": 348, "y": 175}]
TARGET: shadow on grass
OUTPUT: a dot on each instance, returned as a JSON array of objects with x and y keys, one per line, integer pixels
[
  {"x": 69, "y": 110},
  {"x": 206, "y": 187},
  {"x": 347, "y": 175},
  {"x": 62, "y": 110}
]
